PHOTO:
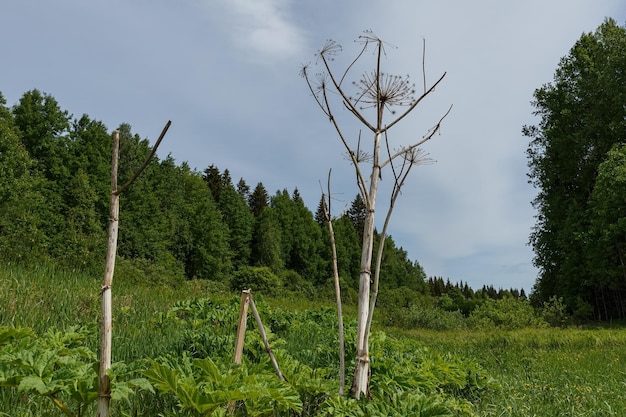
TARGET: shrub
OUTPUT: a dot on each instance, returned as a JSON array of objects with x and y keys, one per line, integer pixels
[
  {"x": 294, "y": 282},
  {"x": 426, "y": 317},
  {"x": 349, "y": 295},
  {"x": 258, "y": 279},
  {"x": 163, "y": 271},
  {"x": 554, "y": 312},
  {"x": 507, "y": 313}
]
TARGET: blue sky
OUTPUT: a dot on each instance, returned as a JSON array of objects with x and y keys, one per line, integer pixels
[{"x": 226, "y": 72}]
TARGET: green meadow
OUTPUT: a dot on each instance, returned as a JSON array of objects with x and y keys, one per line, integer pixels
[{"x": 162, "y": 332}]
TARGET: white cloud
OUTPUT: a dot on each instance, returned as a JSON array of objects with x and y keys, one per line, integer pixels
[{"x": 263, "y": 26}]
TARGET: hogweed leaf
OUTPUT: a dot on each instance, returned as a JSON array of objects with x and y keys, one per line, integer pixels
[
  {"x": 11, "y": 334},
  {"x": 33, "y": 383}
]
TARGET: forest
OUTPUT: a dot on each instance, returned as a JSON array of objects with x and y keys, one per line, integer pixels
[{"x": 177, "y": 223}]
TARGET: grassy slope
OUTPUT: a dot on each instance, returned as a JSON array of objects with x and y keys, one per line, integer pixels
[{"x": 548, "y": 372}]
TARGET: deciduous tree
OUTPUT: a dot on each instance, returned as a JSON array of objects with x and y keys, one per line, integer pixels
[{"x": 582, "y": 116}]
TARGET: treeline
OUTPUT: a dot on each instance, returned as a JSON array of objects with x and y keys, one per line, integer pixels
[
  {"x": 175, "y": 223},
  {"x": 577, "y": 161}
]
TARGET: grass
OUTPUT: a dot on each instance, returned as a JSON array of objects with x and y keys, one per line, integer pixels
[
  {"x": 545, "y": 372},
  {"x": 540, "y": 372}
]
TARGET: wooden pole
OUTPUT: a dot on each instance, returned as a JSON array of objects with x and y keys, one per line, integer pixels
[
  {"x": 104, "y": 383},
  {"x": 241, "y": 325}
]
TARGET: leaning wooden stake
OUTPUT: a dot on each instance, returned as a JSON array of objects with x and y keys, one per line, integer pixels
[
  {"x": 259, "y": 324},
  {"x": 104, "y": 382}
]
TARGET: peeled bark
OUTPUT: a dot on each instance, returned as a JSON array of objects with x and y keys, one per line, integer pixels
[{"x": 104, "y": 383}]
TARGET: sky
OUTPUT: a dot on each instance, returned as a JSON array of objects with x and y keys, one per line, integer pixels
[{"x": 226, "y": 73}]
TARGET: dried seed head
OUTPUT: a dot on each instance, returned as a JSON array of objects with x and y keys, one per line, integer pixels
[
  {"x": 386, "y": 89},
  {"x": 329, "y": 50}
]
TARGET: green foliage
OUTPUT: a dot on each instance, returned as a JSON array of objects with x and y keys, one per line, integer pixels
[
  {"x": 206, "y": 327},
  {"x": 582, "y": 119},
  {"x": 209, "y": 255},
  {"x": 163, "y": 271},
  {"x": 398, "y": 271},
  {"x": 506, "y": 313},
  {"x": 405, "y": 365},
  {"x": 423, "y": 316},
  {"x": 22, "y": 204},
  {"x": 60, "y": 368},
  {"x": 203, "y": 387},
  {"x": 175, "y": 223},
  {"x": 240, "y": 221},
  {"x": 539, "y": 371},
  {"x": 554, "y": 312},
  {"x": 293, "y": 282},
  {"x": 266, "y": 241},
  {"x": 312, "y": 336},
  {"x": 347, "y": 244},
  {"x": 258, "y": 279}
]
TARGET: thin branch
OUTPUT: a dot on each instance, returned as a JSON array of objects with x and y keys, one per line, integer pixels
[
  {"x": 352, "y": 63},
  {"x": 342, "y": 352},
  {"x": 305, "y": 74},
  {"x": 381, "y": 246},
  {"x": 353, "y": 156},
  {"x": 268, "y": 349},
  {"x": 146, "y": 162},
  {"x": 393, "y": 168},
  {"x": 412, "y": 106},
  {"x": 424, "y": 62},
  {"x": 346, "y": 99},
  {"x": 380, "y": 107},
  {"x": 426, "y": 138}
]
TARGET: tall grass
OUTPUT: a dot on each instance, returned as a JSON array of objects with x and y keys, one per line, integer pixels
[
  {"x": 540, "y": 372},
  {"x": 544, "y": 372},
  {"x": 44, "y": 297}
]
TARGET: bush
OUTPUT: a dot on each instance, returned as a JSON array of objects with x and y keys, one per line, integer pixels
[
  {"x": 555, "y": 312},
  {"x": 426, "y": 317},
  {"x": 349, "y": 295},
  {"x": 507, "y": 313},
  {"x": 294, "y": 282},
  {"x": 258, "y": 279},
  {"x": 398, "y": 297},
  {"x": 164, "y": 271}
]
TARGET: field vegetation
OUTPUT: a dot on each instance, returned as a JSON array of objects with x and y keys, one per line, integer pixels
[{"x": 173, "y": 348}]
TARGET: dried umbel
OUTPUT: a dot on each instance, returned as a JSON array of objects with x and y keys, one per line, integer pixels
[{"x": 386, "y": 90}]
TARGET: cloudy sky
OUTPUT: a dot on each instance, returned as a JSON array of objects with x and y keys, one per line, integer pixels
[{"x": 226, "y": 72}]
